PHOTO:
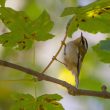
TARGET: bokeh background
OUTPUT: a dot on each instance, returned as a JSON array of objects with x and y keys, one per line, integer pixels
[{"x": 93, "y": 74}]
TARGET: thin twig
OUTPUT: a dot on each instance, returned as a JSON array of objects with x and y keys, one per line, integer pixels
[
  {"x": 60, "y": 62},
  {"x": 55, "y": 56},
  {"x": 71, "y": 89}
]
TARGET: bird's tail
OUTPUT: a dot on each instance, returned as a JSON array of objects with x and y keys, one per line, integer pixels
[{"x": 76, "y": 78}]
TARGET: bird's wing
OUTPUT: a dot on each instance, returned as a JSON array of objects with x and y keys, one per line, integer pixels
[{"x": 79, "y": 63}]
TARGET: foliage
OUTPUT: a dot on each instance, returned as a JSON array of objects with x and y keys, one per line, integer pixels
[
  {"x": 23, "y": 102},
  {"x": 23, "y": 30},
  {"x": 49, "y": 102},
  {"x": 44, "y": 102},
  {"x": 87, "y": 17},
  {"x": 103, "y": 50}
]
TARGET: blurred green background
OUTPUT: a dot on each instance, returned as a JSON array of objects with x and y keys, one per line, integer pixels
[{"x": 93, "y": 73}]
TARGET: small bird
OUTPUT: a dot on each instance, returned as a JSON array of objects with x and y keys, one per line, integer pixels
[{"x": 74, "y": 53}]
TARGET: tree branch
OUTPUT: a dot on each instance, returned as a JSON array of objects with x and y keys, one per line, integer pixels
[{"x": 71, "y": 89}]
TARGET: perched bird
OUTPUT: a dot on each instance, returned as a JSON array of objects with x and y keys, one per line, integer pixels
[{"x": 74, "y": 53}]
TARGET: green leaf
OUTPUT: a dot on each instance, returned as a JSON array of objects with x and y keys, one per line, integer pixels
[
  {"x": 93, "y": 18},
  {"x": 103, "y": 50},
  {"x": 53, "y": 106},
  {"x": 44, "y": 36},
  {"x": 50, "y": 97},
  {"x": 23, "y": 102},
  {"x": 49, "y": 102},
  {"x": 44, "y": 102},
  {"x": 69, "y": 11},
  {"x": 14, "y": 20},
  {"x": 72, "y": 26},
  {"x": 81, "y": 10},
  {"x": 23, "y": 30},
  {"x": 42, "y": 25},
  {"x": 17, "y": 22},
  {"x": 15, "y": 40},
  {"x": 2, "y": 3},
  {"x": 32, "y": 8},
  {"x": 98, "y": 24}
]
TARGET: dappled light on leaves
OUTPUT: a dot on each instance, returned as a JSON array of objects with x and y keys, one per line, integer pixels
[
  {"x": 93, "y": 13},
  {"x": 98, "y": 11}
]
